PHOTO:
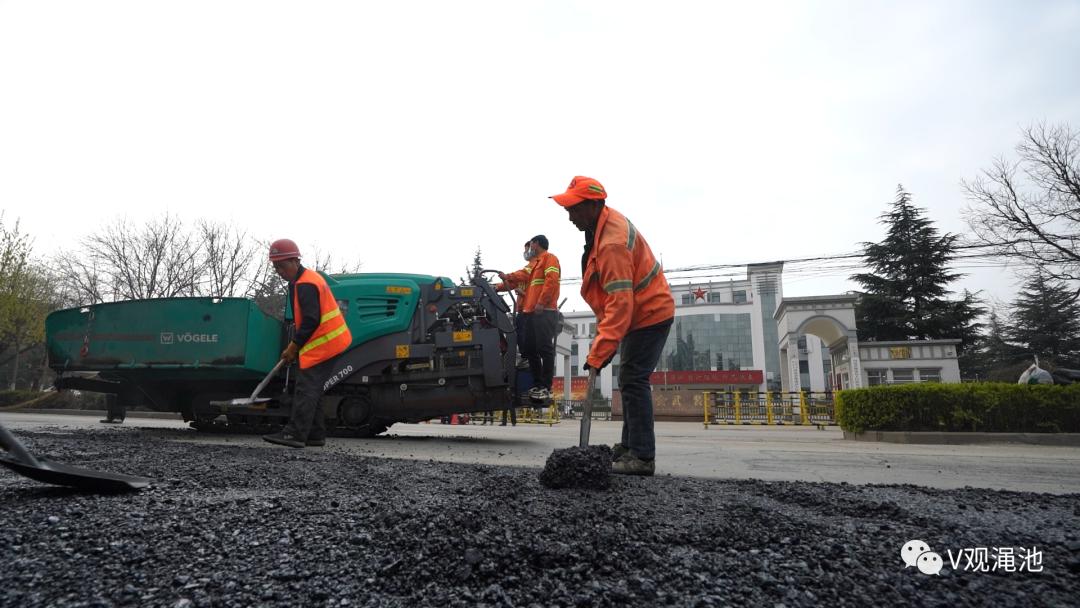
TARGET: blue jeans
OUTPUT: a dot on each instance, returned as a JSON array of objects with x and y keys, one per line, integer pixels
[{"x": 639, "y": 352}]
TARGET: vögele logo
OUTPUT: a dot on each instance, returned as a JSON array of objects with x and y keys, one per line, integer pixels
[{"x": 917, "y": 553}]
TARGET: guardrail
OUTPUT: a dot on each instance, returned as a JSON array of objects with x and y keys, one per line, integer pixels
[
  {"x": 572, "y": 408},
  {"x": 775, "y": 407}
]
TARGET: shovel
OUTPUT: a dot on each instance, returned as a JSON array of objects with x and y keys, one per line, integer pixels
[
  {"x": 24, "y": 463},
  {"x": 586, "y": 413},
  {"x": 254, "y": 398}
]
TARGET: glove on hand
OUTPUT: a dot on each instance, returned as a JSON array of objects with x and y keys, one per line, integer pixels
[{"x": 289, "y": 354}]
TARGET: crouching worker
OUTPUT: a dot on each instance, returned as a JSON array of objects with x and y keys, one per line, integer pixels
[{"x": 321, "y": 335}]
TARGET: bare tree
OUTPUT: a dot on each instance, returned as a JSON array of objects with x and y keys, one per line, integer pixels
[
  {"x": 326, "y": 262},
  {"x": 80, "y": 282},
  {"x": 159, "y": 259},
  {"x": 1029, "y": 209},
  {"x": 228, "y": 255}
]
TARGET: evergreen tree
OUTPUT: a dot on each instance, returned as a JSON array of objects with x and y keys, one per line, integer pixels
[
  {"x": 990, "y": 355},
  {"x": 1046, "y": 320},
  {"x": 905, "y": 292},
  {"x": 475, "y": 268}
]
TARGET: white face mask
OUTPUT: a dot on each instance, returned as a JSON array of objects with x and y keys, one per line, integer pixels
[{"x": 528, "y": 254}]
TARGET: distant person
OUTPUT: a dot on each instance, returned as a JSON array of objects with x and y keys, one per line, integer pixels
[
  {"x": 623, "y": 283},
  {"x": 513, "y": 416},
  {"x": 540, "y": 311}
]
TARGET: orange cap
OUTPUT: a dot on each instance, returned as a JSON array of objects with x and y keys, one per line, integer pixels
[{"x": 580, "y": 188}]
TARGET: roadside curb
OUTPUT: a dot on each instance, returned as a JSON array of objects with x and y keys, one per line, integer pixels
[{"x": 938, "y": 438}]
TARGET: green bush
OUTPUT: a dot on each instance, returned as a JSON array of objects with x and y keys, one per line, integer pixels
[
  {"x": 986, "y": 407},
  {"x": 13, "y": 397}
]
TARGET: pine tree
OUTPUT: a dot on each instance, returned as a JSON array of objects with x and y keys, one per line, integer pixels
[
  {"x": 906, "y": 293},
  {"x": 1046, "y": 320},
  {"x": 990, "y": 355},
  {"x": 474, "y": 270}
]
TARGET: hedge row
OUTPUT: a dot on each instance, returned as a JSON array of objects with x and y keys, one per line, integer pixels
[
  {"x": 13, "y": 397},
  {"x": 68, "y": 400},
  {"x": 986, "y": 407}
]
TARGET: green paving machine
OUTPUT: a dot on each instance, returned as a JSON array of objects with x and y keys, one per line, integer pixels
[{"x": 423, "y": 347}]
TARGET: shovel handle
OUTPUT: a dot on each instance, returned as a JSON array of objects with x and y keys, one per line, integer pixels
[
  {"x": 13, "y": 445},
  {"x": 586, "y": 413},
  {"x": 266, "y": 380}
]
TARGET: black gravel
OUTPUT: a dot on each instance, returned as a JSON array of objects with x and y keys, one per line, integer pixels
[
  {"x": 241, "y": 526},
  {"x": 586, "y": 468}
]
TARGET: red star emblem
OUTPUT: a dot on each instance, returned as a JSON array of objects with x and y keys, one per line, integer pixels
[{"x": 699, "y": 293}]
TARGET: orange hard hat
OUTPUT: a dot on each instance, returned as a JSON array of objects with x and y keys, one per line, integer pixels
[
  {"x": 580, "y": 189},
  {"x": 283, "y": 249}
]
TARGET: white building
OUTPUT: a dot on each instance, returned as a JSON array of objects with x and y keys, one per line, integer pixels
[{"x": 795, "y": 343}]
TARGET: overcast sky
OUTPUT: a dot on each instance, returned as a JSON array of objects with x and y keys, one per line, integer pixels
[{"x": 407, "y": 134}]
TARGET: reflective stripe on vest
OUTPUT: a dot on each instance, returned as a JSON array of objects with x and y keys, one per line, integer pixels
[{"x": 332, "y": 336}]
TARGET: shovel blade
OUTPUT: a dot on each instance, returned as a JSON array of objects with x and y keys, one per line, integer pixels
[
  {"x": 224, "y": 406},
  {"x": 75, "y": 477}
]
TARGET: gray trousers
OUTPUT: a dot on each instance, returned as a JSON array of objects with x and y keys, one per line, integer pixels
[{"x": 308, "y": 421}]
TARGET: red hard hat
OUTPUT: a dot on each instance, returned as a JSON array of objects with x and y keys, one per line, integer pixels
[{"x": 283, "y": 249}]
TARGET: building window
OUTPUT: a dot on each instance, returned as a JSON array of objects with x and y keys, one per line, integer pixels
[
  {"x": 592, "y": 329},
  {"x": 804, "y": 367},
  {"x": 739, "y": 297},
  {"x": 903, "y": 375},
  {"x": 875, "y": 377},
  {"x": 930, "y": 375},
  {"x": 686, "y": 298}
]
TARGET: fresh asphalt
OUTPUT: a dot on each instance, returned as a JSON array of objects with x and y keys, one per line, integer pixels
[
  {"x": 457, "y": 517},
  {"x": 684, "y": 449}
]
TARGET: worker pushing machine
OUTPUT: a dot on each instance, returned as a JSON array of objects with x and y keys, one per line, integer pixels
[
  {"x": 540, "y": 311},
  {"x": 321, "y": 335},
  {"x": 623, "y": 283}
]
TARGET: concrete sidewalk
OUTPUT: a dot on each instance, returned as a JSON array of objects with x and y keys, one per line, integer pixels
[{"x": 683, "y": 449}]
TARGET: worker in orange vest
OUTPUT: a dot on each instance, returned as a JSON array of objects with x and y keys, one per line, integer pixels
[
  {"x": 321, "y": 335},
  {"x": 623, "y": 283},
  {"x": 540, "y": 308}
]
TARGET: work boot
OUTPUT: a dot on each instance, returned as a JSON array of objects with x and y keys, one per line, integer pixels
[
  {"x": 285, "y": 439},
  {"x": 315, "y": 442},
  {"x": 618, "y": 450},
  {"x": 629, "y": 464}
]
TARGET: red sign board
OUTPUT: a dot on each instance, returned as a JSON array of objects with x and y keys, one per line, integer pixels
[
  {"x": 578, "y": 387},
  {"x": 742, "y": 376}
]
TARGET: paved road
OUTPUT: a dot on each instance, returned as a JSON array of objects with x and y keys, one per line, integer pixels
[{"x": 686, "y": 449}]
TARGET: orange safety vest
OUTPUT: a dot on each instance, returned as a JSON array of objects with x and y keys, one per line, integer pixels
[
  {"x": 541, "y": 280},
  {"x": 624, "y": 285},
  {"x": 332, "y": 336}
]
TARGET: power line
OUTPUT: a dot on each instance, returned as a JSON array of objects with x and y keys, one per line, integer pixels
[{"x": 792, "y": 268}]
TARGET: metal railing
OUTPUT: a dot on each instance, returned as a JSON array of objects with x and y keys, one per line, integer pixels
[
  {"x": 774, "y": 407},
  {"x": 572, "y": 408}
]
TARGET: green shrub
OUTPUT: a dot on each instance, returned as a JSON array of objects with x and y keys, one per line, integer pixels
[
  {"x": 13, "y": 397},
  {"x": 987, "y": 407}
]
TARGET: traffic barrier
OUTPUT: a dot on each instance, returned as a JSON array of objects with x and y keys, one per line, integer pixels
[
  {"x": 572, "y": 408},
  {"x": 548, "y": 415},
  {"x": 768, "y": 408}
]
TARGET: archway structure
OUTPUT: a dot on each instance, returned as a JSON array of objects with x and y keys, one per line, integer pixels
[{"x": 830, "y": 318}]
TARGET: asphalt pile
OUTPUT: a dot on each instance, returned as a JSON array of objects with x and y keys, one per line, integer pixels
[
  {"x": 238, "y": 526},
  {"x": 587, "y": 468}
]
